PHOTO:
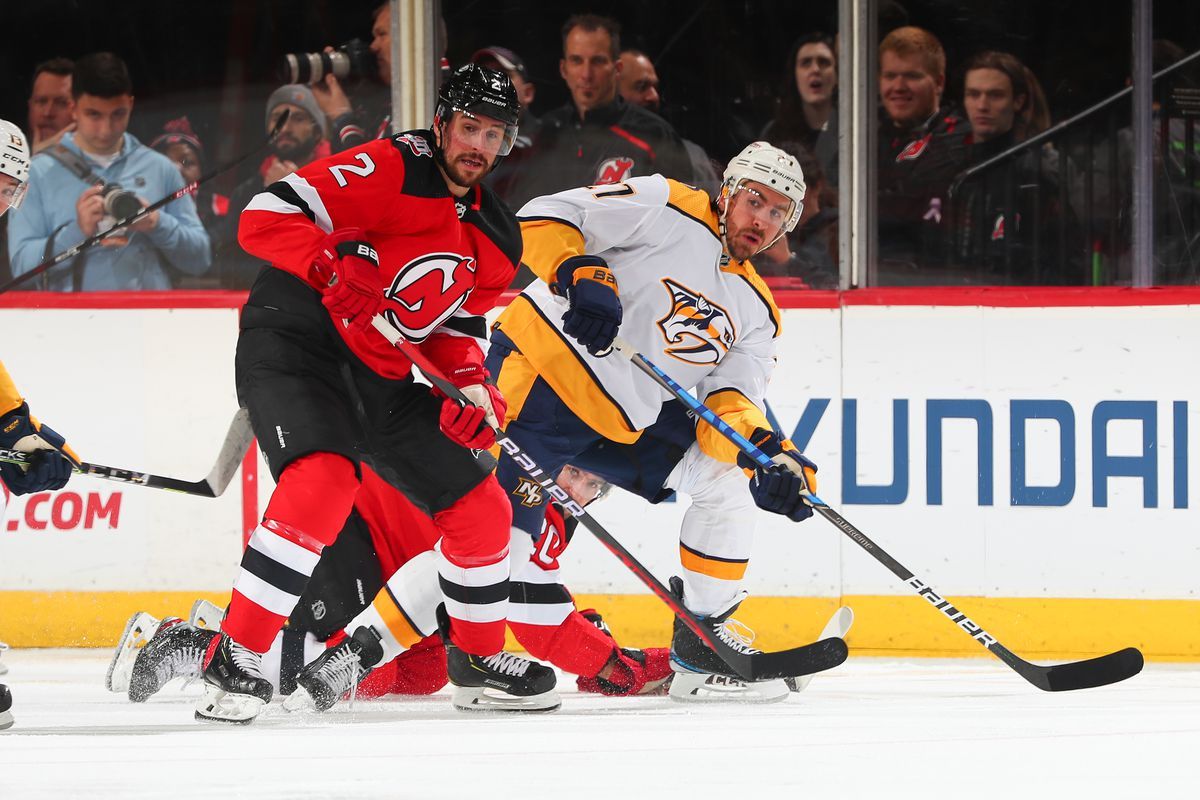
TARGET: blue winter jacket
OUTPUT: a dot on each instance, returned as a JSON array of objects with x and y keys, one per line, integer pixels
[{"x": 45, "y": 225}]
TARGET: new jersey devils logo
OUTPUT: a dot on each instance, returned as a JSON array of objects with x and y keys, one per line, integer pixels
[
  {"x": 913, "y": 150},
  {"x": 614, "y": 170},
  {"x": 427, "y": 291},
  {"x": 699, "y": 332}
]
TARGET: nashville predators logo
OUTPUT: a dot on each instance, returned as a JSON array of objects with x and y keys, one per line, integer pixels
[
  {"x": 614, "y": 170},
  {"x": 696, "y": 330},
  {"x": 529, "y": 492}
]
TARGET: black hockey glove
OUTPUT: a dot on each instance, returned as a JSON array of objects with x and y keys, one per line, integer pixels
[
  {"x": 777, "y": 489},
  {"x": 595, "y": 308}
]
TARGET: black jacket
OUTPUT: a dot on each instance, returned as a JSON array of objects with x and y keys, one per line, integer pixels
[{"x": 610, "y": 144}]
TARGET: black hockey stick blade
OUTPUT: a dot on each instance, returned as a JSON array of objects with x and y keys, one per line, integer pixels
[
  {"x": 759, "y": 666},
  {"x": 237, "y": 440},
  {"x": 1088, "y": 674},
  {"x": 803, "y": 660}
]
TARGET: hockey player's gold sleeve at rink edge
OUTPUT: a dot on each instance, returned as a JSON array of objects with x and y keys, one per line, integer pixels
[
  {"x": 10, "y": 398},
  {"x": 548, "y": 243}
]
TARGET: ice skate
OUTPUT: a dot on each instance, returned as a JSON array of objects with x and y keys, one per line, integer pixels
[
  {"x": 138, "y": 630},
  {"x": 335, "y": 672},
  {"x": 500, "y": 682},
  {"x": 176, "y": 650},
  {"x": 6, "y": 717},
  {"x": 236, "y": 689},
  {"x": 701, "y": 676}
]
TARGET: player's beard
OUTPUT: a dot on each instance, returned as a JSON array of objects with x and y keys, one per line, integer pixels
[
  {"x": 459, "y": 176},
  {"x": 739, "y": 249}
]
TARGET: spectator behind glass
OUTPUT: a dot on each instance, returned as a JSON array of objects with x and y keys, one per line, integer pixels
[
  {"x": 300, "y": 141},
  {"x": 809, "y": 254},
  {"x": 807, "y": 110},
  {"x": 638, "y": 83},
  {"x": 501, "y": 58},
  {"x": 997, "y": 213},
  {"x": 922, "y": 147},
  {"x": 62, "y": 209},
  {"x": 353, "y": 124},
  {"x": 597, "y": 138},
  {"x": 179, "y": 143},
  {"x": 51, "y": 106}
]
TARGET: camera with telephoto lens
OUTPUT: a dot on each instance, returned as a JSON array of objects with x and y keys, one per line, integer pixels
[
  {"x": 119, "y": 203},
  {"x": 351, "y": 60}
]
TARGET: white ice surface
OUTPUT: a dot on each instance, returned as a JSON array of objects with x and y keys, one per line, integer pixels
[{"x": 874, "y": 728}]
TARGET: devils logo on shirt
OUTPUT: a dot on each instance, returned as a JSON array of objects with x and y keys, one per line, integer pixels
[
  {"x": 697, "y": 330},
  {"x": 427, "y": 291},
  {"x": 914, "y": 150},
  {"x": 614, "y": 170}
]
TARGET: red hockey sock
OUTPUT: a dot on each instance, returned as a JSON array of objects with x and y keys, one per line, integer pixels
[
  {"x": 306, "y": 512},
  {"x": 473, "y": 566}
]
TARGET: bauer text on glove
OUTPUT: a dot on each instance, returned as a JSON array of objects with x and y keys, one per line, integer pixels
[
  {"x": 594, "y": 314},
  {"x": 351, "y": 265},
  {"x": 471, "y": 425}
]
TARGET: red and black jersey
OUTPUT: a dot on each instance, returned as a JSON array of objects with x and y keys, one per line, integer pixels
[{"x": 443, "y": 260}]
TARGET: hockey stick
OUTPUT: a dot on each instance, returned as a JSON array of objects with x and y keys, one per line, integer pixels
[
  {"x": 120, "y": 226},
  {"x": 757, "y": 666},
  {"x": 229, "y": 459},
  {"x": 1098, "y": 671}
]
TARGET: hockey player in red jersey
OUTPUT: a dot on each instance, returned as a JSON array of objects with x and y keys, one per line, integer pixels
[{"x": 403, "y": 228}]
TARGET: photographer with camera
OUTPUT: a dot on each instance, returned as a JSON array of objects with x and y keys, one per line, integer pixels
[
  {"x": 97, "y": 176},
  {"x": 356, "y": 64}
]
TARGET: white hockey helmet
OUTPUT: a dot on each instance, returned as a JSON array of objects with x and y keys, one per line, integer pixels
[
  {"x": 14, "y": 162},
  {"x": 773, "y": 168}
]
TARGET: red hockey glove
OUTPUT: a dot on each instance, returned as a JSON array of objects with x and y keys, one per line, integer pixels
[
  {"x": 355, "y": 291},
  {"x": 471, "y": 425},
  {"x": 631, "y": 672}
]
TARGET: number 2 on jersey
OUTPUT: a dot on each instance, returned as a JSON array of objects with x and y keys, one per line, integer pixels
[{"x": 337, "y": 170}]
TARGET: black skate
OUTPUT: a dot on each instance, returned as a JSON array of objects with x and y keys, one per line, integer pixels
[
  {"x": 236, "y": 687},
  {"x": 6, "y": 717},
  {"x": 335, "y": 672},
  {"x": 703, "y": 676},
  {"x": 176, "y": 650},
  {"x": 501, "y": 682}
]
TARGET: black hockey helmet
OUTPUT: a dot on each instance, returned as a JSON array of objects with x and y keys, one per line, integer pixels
[{"x": 480, "y": 91}]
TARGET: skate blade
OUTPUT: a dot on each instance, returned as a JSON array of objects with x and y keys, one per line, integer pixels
[
  {"x": 480, "y": 699},
  {"x": 300, "y": 702},
  {"x": 6, "y": 720},
  {"x": 206, "y": 615},
  {"x": 838, "y": 625},
  {"x": 235, "y": 709},
  {"x": 698, "y": 687},
  {"x": 137, "y": 633}
]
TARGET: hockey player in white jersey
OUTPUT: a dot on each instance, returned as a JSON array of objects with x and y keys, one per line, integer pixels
[{"x": 667, "y": 266}]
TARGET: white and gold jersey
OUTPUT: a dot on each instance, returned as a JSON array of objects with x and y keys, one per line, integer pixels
[{"x": 712, "y": 327}]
